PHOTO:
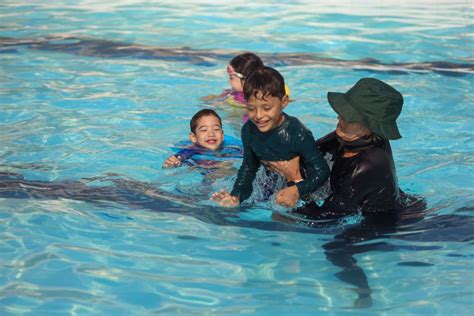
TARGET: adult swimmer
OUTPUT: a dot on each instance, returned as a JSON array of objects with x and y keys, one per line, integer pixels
[
  {"x": 363, "y": 176},
  {"x": 363, "y": 179}
]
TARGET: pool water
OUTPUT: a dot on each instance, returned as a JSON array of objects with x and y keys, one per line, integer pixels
[{"x": 94, "y": 95}]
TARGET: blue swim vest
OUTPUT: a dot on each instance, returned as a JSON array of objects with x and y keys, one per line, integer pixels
[{"x": 231, "y": 149}]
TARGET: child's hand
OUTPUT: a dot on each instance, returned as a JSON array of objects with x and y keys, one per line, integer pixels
[
  {"x": 172, "y": 162},
  {"x": 210, "y": 97},
  {"x": 288, "y": 197},
  {"x": 223, "y": 198}
]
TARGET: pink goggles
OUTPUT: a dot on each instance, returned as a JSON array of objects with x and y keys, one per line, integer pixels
[{"x": 231, "y": 72}]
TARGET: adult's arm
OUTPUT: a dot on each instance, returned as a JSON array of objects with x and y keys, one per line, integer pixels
[{"x": 328, "y": 143}]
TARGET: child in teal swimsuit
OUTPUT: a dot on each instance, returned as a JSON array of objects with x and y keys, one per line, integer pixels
[{"x": 272, "y": 135}]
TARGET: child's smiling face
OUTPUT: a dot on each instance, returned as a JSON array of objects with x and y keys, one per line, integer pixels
[
  {"x": 209, "y": 133},
  {"x": 266, "y": 112}
]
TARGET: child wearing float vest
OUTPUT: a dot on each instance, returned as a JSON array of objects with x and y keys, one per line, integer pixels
[
  {"x": 208, "y": 146},
  {"x": 272, "y": 135},
  {"x": 239, "y": 68}
]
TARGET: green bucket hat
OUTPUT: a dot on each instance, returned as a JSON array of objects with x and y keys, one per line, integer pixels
[{"x": 372, "y": 103}]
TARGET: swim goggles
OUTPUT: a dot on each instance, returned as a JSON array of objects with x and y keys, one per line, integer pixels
[{"x": 230, "y": 71}]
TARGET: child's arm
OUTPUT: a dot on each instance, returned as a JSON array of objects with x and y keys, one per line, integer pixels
[
  {"x": 315, "y": 166},
  {"x": 213, "y": 97},
  {"x": 246, "y": 174},
  {"x": 233, "y": 102},
  {"x": 175, "y": 160},
  {"x": 172, "y": 161},
  {"x": 243, "y": 184}
]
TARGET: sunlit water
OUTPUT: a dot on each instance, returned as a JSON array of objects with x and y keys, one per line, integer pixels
[{"x": 74, "y": 113}]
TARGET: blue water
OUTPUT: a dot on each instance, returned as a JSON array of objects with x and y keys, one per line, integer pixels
[{"x": 78, "y": 111}]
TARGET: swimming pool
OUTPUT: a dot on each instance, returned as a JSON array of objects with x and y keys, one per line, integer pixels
[{"x": 95, "y": 93}]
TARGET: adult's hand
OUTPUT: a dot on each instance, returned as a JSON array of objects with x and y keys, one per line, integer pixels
[{"x": 290, "y": 169}]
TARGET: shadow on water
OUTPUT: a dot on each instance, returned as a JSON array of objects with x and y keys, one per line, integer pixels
[
  {"x": 112, "y": 49},
  {"x": 413, "y": 223}
]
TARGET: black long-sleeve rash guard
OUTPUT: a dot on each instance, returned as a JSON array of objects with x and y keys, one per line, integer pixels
[{"x": 365, "y": 182}]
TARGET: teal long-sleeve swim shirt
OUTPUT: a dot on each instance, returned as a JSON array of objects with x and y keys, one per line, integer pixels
[{"x": 285, "y": 142}]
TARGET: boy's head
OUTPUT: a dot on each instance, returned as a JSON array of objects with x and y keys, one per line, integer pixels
[
  {"x": 266, "y": 98},
  {"x": 240, "y": 67},
  {"x": 206, "y": 129}
]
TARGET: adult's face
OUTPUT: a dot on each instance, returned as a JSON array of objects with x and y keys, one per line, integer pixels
[{"x": 349, "y": 131}]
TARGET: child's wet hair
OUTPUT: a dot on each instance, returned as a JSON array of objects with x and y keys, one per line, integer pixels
[
  {"x": 246, "y": 63},
  {"x": 205, "y": 112},
  {"x": 267, "y": 81}
]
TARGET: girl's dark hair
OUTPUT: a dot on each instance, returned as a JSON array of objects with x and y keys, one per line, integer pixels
[
  {"x": 267, "y": 81},
  {"x": 246, "y": 63},
  {"x": 201, "y": 113}
]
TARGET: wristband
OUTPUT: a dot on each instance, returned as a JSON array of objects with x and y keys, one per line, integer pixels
[{"x": 290, "y": 183}]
